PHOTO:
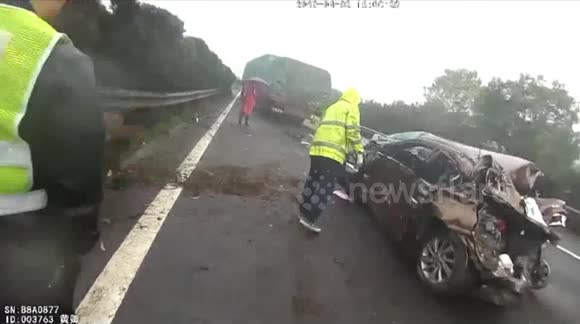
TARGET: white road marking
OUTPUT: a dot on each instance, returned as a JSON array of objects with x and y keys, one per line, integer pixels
[
  {"x": 103, "y": 299},
  {"x": 570, "y": 253}
]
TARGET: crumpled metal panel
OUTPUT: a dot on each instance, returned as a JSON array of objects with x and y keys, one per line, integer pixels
[
  {"x": 523, "y": 173},
  {"x": 456, "y": 209}
]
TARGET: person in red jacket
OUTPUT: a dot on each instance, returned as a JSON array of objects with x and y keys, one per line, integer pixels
[{"x": 248, "y": 102}]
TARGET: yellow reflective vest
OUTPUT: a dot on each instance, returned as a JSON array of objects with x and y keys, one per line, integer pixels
[
  {"x": 339, "y": 130},
  {"x": 26, "y": 42}
]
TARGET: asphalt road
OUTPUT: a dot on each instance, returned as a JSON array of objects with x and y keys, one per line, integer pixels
[{"x": 231, "y": 250}]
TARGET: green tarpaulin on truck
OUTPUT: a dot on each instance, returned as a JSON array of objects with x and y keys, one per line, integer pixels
[{"x": 298, "y": 82}]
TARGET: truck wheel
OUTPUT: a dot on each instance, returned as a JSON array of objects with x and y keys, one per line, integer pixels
[{"x": 443, "y": 264}]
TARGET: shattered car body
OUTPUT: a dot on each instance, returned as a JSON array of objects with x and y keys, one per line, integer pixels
[{"x": 467, "y": 215}]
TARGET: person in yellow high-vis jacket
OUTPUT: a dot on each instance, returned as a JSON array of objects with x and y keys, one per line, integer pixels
[
  {"x": 338, "y": 133},
  {"x": 51, "y": 157}
]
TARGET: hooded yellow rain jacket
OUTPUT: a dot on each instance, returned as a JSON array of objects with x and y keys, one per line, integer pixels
[{"x": 339, "y": 130}]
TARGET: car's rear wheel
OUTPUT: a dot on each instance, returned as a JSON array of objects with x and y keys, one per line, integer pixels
[{"x": 443, "y": 264}]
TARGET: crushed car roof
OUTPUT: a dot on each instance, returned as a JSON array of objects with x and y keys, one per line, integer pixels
[{"x": 524, "y": 173}]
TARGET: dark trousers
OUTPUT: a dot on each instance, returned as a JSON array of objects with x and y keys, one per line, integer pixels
[
  {"x": 319, "y": 186},
  {"x": 38, "y": 263}
]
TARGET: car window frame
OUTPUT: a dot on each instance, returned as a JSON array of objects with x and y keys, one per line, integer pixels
[
  {"x": 399, "y": 147},
  {"x": 455, "y": 165}
]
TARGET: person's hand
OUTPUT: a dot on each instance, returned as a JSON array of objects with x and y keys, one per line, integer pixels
[{"x": 359, "y": 160}]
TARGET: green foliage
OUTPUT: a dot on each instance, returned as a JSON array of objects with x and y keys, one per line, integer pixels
[
  {"x": 531, "y": 120},
  {"x": 525, "y": 117},
  {"x": 140, "y": 46},
  {"x": 456, "y": 91}
]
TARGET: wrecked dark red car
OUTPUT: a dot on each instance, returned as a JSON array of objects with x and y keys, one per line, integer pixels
[{"x": 468, "y": 217}]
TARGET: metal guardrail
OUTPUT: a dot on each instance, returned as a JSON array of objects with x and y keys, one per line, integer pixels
[{"x": 120, "y": 100}]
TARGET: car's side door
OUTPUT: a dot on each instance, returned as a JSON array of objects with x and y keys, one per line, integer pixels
[
  {"x": 390, "y": 191},
  {"x": 454, "y": 202}
]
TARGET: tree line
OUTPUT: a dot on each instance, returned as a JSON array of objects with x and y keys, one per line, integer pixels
[
  {"x": 527, "y": 117},
  {"x": 140, "y": 46}
]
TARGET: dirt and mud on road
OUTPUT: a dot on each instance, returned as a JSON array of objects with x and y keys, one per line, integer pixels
[
  {"x": 264, "y": 181},
  {"x": 163, "y": 133},
  {"x": 149, "y": 165}
]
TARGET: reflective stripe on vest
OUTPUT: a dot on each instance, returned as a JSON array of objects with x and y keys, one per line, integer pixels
[
  {"x": 329, "y": 145},
  {"x": 339, "y": 123},
  {"x": 333, "y": 123},
  {"x": 330, "y": 138},
  {"x": 22, "y": 203},
  {"x": 26, "y": 42}
]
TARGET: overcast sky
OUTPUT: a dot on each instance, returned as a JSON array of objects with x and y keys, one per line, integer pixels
[{"x": 392, "y": 54}]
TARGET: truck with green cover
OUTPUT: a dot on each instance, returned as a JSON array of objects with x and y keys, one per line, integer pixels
[{"x": 293, "y": 87}]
